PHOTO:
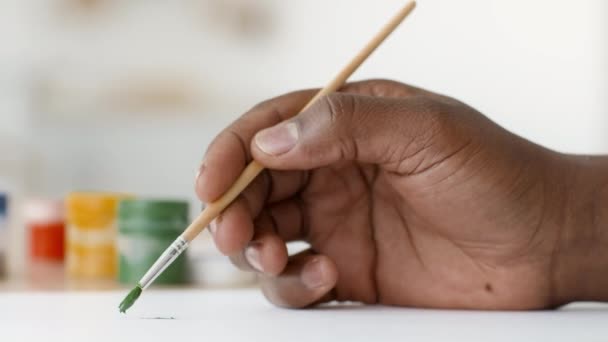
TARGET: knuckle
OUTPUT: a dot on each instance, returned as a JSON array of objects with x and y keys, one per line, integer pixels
[
  {"x": 343, "y": 112},
  {"x": 435, "y": 113},
  {"x": 262, "y": 106},
  {"x": 339, "y": 107},
  {"x": 383, "y": 82},
  {"x": 432, "y": 134},
  {"x": 383, "y": 87}
]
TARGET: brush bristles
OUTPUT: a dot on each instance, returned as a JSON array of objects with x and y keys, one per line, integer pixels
[{"x": 130, "y": 299}]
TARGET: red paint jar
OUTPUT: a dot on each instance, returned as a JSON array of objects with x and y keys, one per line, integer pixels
[{"x": 45, "y": 220}]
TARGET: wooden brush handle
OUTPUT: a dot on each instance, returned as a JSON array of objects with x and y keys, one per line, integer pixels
[
  {"x": 212, "y": 210},
  {"x": 254, "y": 168}
]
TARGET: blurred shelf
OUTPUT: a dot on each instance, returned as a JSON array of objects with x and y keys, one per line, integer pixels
[
  {"x": 69, "y": 285},
  {"x": 52, "y": 278}
]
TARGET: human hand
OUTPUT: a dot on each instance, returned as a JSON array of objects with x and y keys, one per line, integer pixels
[{"x": 406, "y": 197}]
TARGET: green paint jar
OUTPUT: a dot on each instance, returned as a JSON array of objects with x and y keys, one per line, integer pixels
[{"x": 146, "y": 227}]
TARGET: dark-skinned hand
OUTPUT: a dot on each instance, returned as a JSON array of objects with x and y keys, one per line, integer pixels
[{"x": 406, "y": 197}]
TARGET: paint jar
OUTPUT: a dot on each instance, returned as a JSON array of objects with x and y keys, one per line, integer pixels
[
  {"x": 146, "y": 228},
  {"x": 3, "y": 235},
  {"x": 91, "y": 234},
  {"x": 45, "y": 221}
]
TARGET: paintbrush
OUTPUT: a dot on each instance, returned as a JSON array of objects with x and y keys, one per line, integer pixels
[{"x": 254, "y": 168}]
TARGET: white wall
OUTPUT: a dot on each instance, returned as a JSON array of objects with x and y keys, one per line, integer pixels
[{"x": 537, "y": 67}]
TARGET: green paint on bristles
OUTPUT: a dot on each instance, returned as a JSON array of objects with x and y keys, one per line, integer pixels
[{"x": 130, "y": 299}]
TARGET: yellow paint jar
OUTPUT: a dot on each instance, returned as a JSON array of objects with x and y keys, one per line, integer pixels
[{"x": 91, "y": 234}]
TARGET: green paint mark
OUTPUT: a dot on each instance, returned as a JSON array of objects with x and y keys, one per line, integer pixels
[
  {"x": 170, "y": 317},
  {"x": 130, "y": 299}
]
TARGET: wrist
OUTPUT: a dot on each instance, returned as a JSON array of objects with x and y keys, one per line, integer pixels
[{"x": 580, "y": 271}]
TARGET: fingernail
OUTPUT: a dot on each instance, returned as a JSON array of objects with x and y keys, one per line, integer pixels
[
  {"x": 199, "y": 171},
  {"x": 312, "y": 274},
  {"x": 278, "y": 139},
  {"x": 213, "y": 227},
  {"x": 252, "y": 254}
]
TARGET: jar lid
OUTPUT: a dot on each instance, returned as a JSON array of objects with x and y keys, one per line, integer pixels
[
  {"x": 94, "y": 202},
  {"x": 92, "y": 209},
  {"x": 152, "y": 214},
  {"x": 43, "y": 210},
  {"x": 3, "y": 204}
]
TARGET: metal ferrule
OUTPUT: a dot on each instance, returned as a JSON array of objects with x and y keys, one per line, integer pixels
[{"x": 169, "y": 255}]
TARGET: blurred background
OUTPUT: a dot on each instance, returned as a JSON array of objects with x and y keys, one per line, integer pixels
[{"x": 124, "y": 96}]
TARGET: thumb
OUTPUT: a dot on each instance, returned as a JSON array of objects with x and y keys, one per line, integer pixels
[{"x": 342, "y": 127}]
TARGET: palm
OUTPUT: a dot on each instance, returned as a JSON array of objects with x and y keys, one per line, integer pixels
[{"x": 391, "y": 236}]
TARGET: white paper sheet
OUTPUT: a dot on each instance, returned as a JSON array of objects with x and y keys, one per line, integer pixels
[{"x": 244, "y": 315}]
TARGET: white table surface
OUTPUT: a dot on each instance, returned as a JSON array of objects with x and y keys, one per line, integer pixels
[{"x": 244, "y": 315}]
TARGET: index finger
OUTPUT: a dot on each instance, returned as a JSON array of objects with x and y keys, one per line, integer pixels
[{"x": 229, "y": 152}]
